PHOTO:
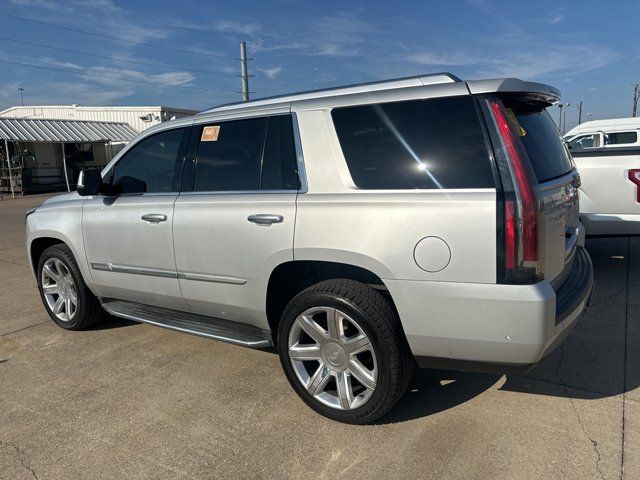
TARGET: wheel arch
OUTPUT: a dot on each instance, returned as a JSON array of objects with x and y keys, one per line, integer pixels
[
  {"x": 290, "y": 278},
  {"x": 38, "y": 244}
]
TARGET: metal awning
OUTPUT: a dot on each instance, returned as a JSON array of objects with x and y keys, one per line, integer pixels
[{"x": 59, "y": 131}]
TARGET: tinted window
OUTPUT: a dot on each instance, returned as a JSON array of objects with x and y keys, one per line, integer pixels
[
  {"x": 620, "y": 138},
  {"x": 152, "y": 164},
  {"x": 545, "y": 148},
  {"x": 231, "y": 161},
  {"x": 435, "y": 143},
  {"x": 279, "y": 165},
  {"x": 236, "y": 156}
]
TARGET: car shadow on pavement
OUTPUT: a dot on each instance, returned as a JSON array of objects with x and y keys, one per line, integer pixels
[
  {"x": 112, "y": 322},
  {"x": 434, "y": 391}
]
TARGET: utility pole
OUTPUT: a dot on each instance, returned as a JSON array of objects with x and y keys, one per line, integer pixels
[
  {"x": 580, "y": 112},
  {"x": 245, "y": 77},
  {"x": 22, "y": 98},
  {"x": 635, "y": 98}
]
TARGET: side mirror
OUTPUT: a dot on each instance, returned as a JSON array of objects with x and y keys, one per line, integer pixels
[{"x": 89, "y": 182}]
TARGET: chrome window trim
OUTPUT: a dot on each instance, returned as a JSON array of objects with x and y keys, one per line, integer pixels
[{"x": 236, "y": 192}]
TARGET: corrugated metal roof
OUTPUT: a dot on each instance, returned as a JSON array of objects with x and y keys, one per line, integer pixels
[{"x": 70, "y": 131}]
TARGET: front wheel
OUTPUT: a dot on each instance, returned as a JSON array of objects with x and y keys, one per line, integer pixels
[
  {"x": 343, "y": 351},
  {"x": 68, "y": 300}
]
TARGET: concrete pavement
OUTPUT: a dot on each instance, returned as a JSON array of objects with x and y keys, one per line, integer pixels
[{"x": 127, "y": 400}]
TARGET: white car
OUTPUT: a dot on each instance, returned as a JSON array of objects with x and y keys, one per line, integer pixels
[
  {"x": 361, "y": 230},
  {"x": 607, "y": 156}
]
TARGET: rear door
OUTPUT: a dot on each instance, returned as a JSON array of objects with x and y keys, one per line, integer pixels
[{"x": 237, "y": 222}]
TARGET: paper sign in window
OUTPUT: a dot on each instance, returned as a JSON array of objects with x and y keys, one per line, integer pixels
[{"x": 210, "y": 133}]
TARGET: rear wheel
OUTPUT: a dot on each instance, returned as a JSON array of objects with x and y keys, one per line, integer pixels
[
  {"x": 343, "y": 351},
  {"x": 66, "y": 297}
]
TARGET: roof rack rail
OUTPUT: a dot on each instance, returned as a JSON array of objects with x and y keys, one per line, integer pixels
[{"x": 426, "y": 79}]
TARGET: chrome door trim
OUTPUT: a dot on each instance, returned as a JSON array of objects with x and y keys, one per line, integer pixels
[
  {"x": 203, "y": 277},
  {"x": 154, "y": 272}
]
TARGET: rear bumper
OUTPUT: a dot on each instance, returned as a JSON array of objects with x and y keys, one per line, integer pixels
[{"x": 497, "y": 328}]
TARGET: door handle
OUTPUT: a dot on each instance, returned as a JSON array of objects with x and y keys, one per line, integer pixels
[
  {"x": 154, "y": 217},
  {"x": 265, "y": 219}
]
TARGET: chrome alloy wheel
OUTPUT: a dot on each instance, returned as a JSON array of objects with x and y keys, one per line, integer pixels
[
  {"x": 59, "y": 289},
  {"x": 333, "y": 358}
]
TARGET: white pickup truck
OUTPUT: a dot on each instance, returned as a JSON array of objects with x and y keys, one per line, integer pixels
[{"x": 607, "y": 156}]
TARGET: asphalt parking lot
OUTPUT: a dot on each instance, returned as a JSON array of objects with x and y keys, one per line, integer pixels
[{"x": 127, "y": 400}]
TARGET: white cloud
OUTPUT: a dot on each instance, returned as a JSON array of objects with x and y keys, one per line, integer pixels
[
  {"x": 115, "y": 76},
  {"x": 48, "y": 61},
  {"x": 271, "y": 73},
  {"x": 556, "y": 19},
  {"x": 450, "y": 59},
  {"x": 229, "y": 26}
]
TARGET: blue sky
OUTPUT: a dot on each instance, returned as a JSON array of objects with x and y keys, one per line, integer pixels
[{"x": 586, "y": 49}]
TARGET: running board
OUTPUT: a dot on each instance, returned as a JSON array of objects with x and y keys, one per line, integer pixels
[{"x": 201, "y": 325}]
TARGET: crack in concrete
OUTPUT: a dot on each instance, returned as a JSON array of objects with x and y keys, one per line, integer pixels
[
  {"x": 624, "y": 385},
  {"x": 572, "y": 387},
  {"x": 575, "y": 410},
  {"x": 21, "y": 455}
]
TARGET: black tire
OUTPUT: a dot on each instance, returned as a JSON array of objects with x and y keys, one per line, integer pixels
[
  {"x": 374, "y": 314},
  {"x": 88, "y": 310}
]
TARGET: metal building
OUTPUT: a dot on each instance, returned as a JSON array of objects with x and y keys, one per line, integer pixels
[
  {"x": 140, "y": 118},
  {"x": 47, "y": 155}
]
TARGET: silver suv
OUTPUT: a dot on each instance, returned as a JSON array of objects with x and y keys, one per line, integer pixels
[{"x": 361, "y": 230}]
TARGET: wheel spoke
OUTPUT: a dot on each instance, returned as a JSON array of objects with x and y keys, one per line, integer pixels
[
  {"x": 57, "y": 308},
  {"x": 319, "y": 379},
  {"x": 334, "y": 323},
  {"x": 50, "y": 273},
  {"x": 51, "y": 289},
  {"x": 311, "y": 328},
  {"x": 358, "y": 344},
  {"x": 362, "y": 374},
  {"x": 59, "y": 267},
  {"x": 345, "y": 392},
  {"x": 67, "y": 307},
  {"x": 302, "y": 354}
]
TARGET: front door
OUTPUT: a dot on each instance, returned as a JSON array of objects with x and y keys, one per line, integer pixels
[
  {"x": 237, "y": 223},
  {"x": 128, "y": 236}
]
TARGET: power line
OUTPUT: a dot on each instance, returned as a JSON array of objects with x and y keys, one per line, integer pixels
[
  {"x": 109, "y": 37},
  {"x": 114, "y": 78},
  {"x": 115, "y": 58}
]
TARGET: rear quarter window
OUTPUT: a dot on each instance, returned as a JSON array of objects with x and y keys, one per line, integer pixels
[{"x": 418, "y": 144}]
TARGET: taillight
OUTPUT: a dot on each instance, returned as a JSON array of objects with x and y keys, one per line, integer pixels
[
  {"x": 521, "y": 255},
  {"x": 634, "y": 176}
]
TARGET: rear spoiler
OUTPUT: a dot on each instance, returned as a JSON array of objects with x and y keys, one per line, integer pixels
[{"x": 544, "y": 93}]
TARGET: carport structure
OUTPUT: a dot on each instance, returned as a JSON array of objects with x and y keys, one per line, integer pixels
[{"x": 37, "y": 133}]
